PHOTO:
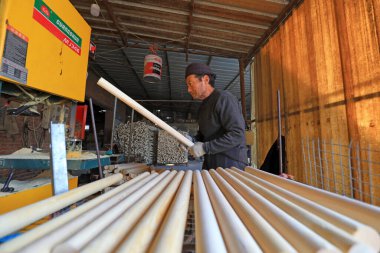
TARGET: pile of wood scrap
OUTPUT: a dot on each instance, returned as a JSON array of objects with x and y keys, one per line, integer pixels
[
  {"x": 168, "y": 149},
  {"x": 128, "y": 170}
]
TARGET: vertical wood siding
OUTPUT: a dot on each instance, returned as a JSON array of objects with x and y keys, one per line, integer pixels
[{"x": 325, "y": 59}]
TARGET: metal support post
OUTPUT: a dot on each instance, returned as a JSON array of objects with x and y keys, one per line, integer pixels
[
  {"x": 370, "y": 175},
  {"x": 342, "y": 169},
  {"x": 113, "y": 121},
  {"x": 350, "y": 168},
  {"x": 304, "y": 161},
  {"x": 333, "y": 165},
  {"x": 58, "y": 164},
  {"x": 308, "y": 155},
  {"x": 320, "y": 166},
  {"x": 326, "y": 165},
  {"x": 279, "y": 133},
  {"x": 315, "y": 164},
  {"x": 359, "y": 174},
  {"x": 95, "y": 138}
]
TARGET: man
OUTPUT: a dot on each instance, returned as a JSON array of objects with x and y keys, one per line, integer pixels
[{"x": 221, "y": 137}]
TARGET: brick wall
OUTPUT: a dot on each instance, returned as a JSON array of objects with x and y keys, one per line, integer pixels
[{"x": 14, "y": 139}]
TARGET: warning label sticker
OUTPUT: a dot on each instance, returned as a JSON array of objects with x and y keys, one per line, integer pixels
[{"x": 14, "y": 56}]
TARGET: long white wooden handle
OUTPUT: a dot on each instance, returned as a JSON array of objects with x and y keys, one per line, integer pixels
[
  {"x": 99, "y": 224},
  {"x": 336, "y": 236},
  {"x": 19, "y": 218},
  {"x": 34, "y": 238},
  {"x": 140, "y": 109},
  {"x": 259, "y": 228},
  {"x": 208, "y": 236},
  {"x": 355, "y": 209},
  {"x": 148, "y": 225},
  {"x": 169, "y": 238},
  {"x": 236, "y": 236},
  {"x": 299, "y": 236},
  {"x": 359, "y": 231}
]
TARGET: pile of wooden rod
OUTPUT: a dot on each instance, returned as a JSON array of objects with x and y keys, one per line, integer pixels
[
  {"x": 235, "y": 211},
  {"x": 147, "y": 212},
  {"x": 139, "y": 144},
  {"x": 128, "y": 170}
]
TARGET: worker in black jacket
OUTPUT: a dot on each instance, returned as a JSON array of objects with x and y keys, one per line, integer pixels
[{"x": 221, "y": 138}]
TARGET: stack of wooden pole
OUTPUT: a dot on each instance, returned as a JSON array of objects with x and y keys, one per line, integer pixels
[
  {"x": 148, "y": 213},
  {"x": 140, "y": 143},
  {"x": 235, "y": 211},
  {"x": 128, "y": 170},
  {"x": 254, "y": 211}
]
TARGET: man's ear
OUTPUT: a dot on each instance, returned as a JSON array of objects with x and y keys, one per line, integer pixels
[{"x": 206, "y": 78}]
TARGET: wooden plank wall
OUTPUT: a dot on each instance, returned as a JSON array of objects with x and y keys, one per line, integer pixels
[{"x": 325, "y": 59}]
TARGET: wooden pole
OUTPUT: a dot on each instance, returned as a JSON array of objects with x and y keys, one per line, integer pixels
[
  {"x": 116, "y": 231},
  {"x": 148, "y": 225},
  {"x": 345, "y": 242},
  {"x": 19, "y": 218},
  {"x": 80, "y": 223},
  {"x": 259, "y": 228},
  {"x": 359, "y": 231},
  {"x": 139, "y": 108},
  {"x": 298, "y": 235},
  {"x": 357, "y": 210},
  {"x": 169, "y": 238},
  {"x": 32, "y": 236},
  {"x": 207, "y": 234},
  {"x": 101, "y": 220},
  {"x": 237, "y": 237}
]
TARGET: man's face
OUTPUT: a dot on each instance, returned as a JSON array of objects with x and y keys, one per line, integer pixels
[{"x": 196, "y": 87}]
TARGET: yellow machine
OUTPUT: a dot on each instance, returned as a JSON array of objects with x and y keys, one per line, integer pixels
[{"x": 44, "y": 45}]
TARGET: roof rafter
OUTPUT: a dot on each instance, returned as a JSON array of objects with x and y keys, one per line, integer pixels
[
  {"x": 125, "y": 43},
  {"x": 190, "y": 27}
]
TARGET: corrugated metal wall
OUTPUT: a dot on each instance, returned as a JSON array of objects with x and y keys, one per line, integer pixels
[{"x": 325, "y": 60}]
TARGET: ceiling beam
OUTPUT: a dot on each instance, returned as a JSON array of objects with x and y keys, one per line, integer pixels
[
  {"x": 232, "y": 81},
  {"x": 237, "y": 9},
  {"x": 147, "y": 18},
  {"x": 229, "y": 31},
  {"x": 104, "y": 73},
  {"x": 115, "y": 22},
  {"x": 190, "y": 27},
  {"x": 123, "y": 36},
  {"x": 273, "y": 28},
  {"x": 209, "y": 60},
  {"x": 169, "y": 49},
  {"x": 150, "y": 7},
  {"x": 229, "y": 21},
  {"x": 266, "y": 6},
  {"x": 205, "y": 45}
]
